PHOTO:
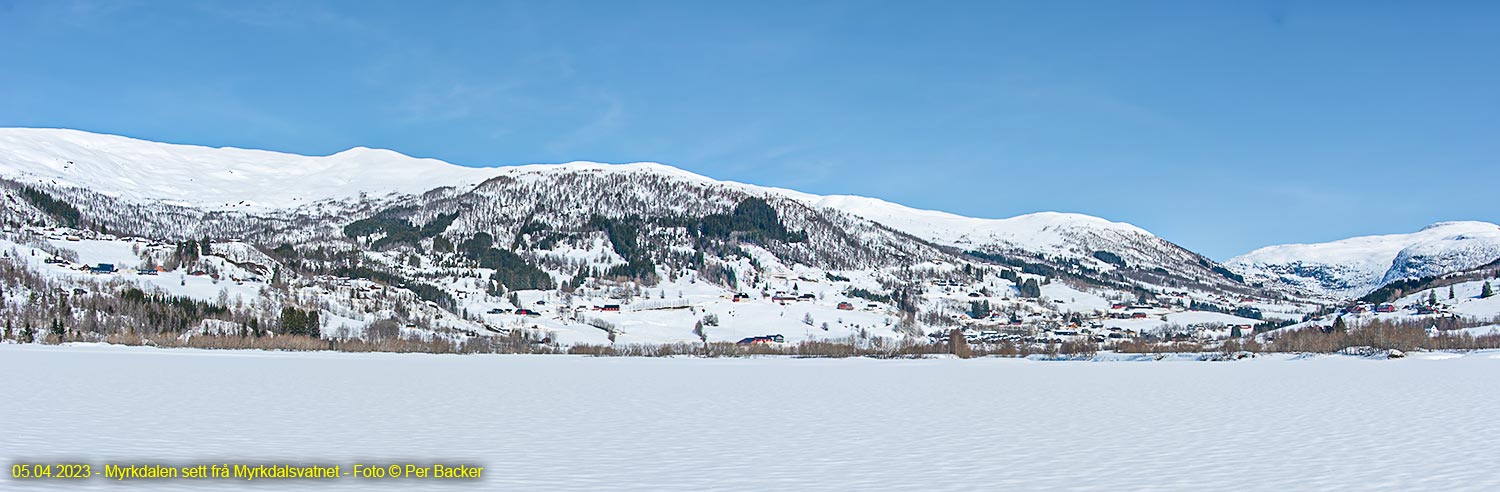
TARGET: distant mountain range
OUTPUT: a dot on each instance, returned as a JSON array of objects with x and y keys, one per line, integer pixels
[{"x": 1356, "y": 266}]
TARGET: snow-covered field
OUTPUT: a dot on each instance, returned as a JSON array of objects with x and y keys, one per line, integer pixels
[{"x": 572, "y": 423}]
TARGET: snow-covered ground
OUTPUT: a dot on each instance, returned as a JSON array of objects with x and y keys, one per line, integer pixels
[
  {"x": 1466, "y": 303},
  {"x": 118, "y": 253},
  {"x": 1466, "y": 300},
  {"x": 573, "y": 423}
]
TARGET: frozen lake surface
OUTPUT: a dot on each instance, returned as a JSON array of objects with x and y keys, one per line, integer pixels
[{"x": 569, "y": 423}]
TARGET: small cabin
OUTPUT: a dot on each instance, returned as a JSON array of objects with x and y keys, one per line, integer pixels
[
  {"x": 103, "y": 268},
  {"x": 845, "y": 306}
]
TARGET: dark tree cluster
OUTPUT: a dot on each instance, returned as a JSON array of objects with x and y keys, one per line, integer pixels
[{"x": 511, "y": 271}]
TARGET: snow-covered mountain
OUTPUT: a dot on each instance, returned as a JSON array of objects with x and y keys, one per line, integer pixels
[
  {"x": 1066, "y": 242},
  {"x": 1356, "y": 266},
  {"x": 373, "y": 240},
  {"x": 215, "y": 181},
  {"x": 216, "y": 178},
  {"x": 1050, "y": 233}
]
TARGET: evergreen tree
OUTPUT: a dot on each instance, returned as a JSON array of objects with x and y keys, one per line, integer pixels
[
  {"x": 1487, "y": 291},
  {"x": 979, "y": 309},
  {"x": 1450, "y": 292},
  {"x": 1235, "y": 332},
  {"x": 1339, "y": 326},
  {"x": 298, "y": 322},
  {"x": 1432, "y": 297},
  {"x": 1030, "y": 288}
]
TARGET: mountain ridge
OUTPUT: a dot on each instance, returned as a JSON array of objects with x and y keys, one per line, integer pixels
[
  {"x": 65, "y": 157},
  {"x": 1355, "y": 266},
  {"x": 203, "y": 180}
]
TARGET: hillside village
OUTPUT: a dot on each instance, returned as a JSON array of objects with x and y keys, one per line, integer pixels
[{"x": 789, "y": 306}]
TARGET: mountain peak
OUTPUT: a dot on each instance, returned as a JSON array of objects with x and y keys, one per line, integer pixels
[
  {"x": 359, "y": 151},
  {"x": 1461, "y": 224}
]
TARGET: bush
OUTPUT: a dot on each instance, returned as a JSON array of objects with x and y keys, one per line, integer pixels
[{"x": 1403, "y": 335}]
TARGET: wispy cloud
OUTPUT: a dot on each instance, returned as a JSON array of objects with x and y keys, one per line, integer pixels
[
  {"x": 606, "y": 115},
  {"x": 448, "y": 102}
]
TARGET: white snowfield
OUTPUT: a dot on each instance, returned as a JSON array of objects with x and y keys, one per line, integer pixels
[
  {"x": 1355, "y": 266},
  {"x": 1045, "y": 232},
  {"x": 571, "y": 423},
  {"x": 216, "y": 177}
]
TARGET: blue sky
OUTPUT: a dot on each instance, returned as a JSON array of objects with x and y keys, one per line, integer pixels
[{"x": 1222, "y": 126}]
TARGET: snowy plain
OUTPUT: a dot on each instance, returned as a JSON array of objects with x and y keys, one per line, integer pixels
[{"x": 576, "y": 423}]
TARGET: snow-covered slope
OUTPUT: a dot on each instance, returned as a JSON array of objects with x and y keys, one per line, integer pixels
[
  {"x": 1045, "y": 232},
  {"x": 1356, "y": 266},
  {"x": 227, "y": 177},
  {"x": 1066, "y": 241},
  {"x": 215, "y": 177}
]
